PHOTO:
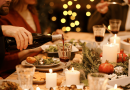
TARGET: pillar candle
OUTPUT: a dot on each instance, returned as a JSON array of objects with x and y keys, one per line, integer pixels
[
  {"x": 115, "y": 37},
  {"x": 109, "y": 53},
  {"x": 51, "y": 79},
  {"x": 129, "y": 69},
  {"x": 115, "y": 88},
  {"x": 117, "y": 45},
  {"x": 72, "y": 77}
]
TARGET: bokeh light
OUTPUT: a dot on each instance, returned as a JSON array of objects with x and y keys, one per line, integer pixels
[
  {"x": 76, "y": 23},
  {"x": 91, "y": 0},
  {"x": 65, "y": 13},
  {"x": 109, "y": 27},
  {"x": 72, "y": 17},
  {"x": 88, "y": 6},
  {"x": 70, "y": 3},
  {"x": 62, "y": 0},
  {"x": 74, "y": 14},
  {"x": 68, "y": 28},
  {"x": 78, "y": 29},
  {"x": 78, "y": 6},
  {"x": 65, "y": 6},
  {"x": 63, "y": 28},
  {"x": 63, "y": 20},
  {"x": 72, "y": 24},
  {"x": 51, "y": 4},
  {"x": 75, "y": 0},
  {"x": 88, "y": 13},
  {"x": 69, "y": 12},
  {"x": 53, "y": 18}
]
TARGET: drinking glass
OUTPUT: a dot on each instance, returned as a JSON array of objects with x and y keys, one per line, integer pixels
[
  {"x": 99, "y": 31},
  {"x": 115, "y": 25},
  {"x": 25, "y": 76},
  {"x": 64, "y": 53},
  {"x": 97, "y": 81}
]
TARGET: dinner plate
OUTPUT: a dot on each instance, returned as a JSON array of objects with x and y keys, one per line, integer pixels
[{"x": 24, "y": 62}]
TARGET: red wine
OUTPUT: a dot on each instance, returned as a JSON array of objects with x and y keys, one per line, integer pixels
[
  {"x": 114, "y": 31},
  {"x": 99, "y": 38},
  {"x": 38, "y": 40},
  {"x": 64, "y": 59}
]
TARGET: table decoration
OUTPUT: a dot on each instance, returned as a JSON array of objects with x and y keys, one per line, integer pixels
[
  {"x": 109, "y": 53},
  {"x": 115, "y": 37},
  {"x": 117, "y": 45},
  {"x": 91, "y": 61},
  {"x": 72, "y": 77},
  {"x": 121, "y": 57},
  {"x": 115, "y": 88},
  {"x": 51, "y": 79}
]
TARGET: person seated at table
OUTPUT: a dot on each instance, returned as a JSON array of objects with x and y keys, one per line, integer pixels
[{"x": 106, "y": 11}]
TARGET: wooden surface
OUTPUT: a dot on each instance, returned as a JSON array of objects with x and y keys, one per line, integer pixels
[{"x": 71, "y": 35}]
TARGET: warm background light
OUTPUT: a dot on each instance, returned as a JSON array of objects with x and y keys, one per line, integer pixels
[
  {"x": 63, "y": 20},
  {"x": 72, "y": 17},
  {"x": 65, "y": 6},
  {"x": 63, "y": 28},
  {"x": 65, "y": 13},
  {"x": 75, "y": 0},
  {"x": 68, "y": 28},
  {"x": 76, "y": 23},
  {"x": 70, "y": 3},
  {"x": 53, "y": 18},
  {"x": 88, "y": 6},
  {"x": 51, "y": 4},
  {"x": 69, "y": 12},
  {"x": 88, "y": 13},
  {"x": 109, "y": 27},
  {"x": 74, "y": 14},
  {"x": 78, "y": 29},
  {"x": 91, "y": 0},
  {"x": 72, "y": 24},
  {"x": 78, "y": 6}
]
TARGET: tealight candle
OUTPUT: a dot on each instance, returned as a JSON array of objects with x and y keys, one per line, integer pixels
[
  {"x": 109, "y": 53},
  {"x": 72, "y": 77},
  {"x": 115, "y": 37},
  {"x": 115, "y": 88},
  {"x": 51, "y": 79}
]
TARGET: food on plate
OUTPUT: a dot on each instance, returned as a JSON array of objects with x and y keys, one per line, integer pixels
[
  {"x": 52, "y": 48},
  {"x": 31, "y": 60},
  {"x": 8, "y": 85},
  {"x": 45, "y": 60},
  {"x": 127, "y": 40},
  {"x": 75, "y": 42},
  {"x": 106, "y": 68},
  {"x": 39, "y": 76}
]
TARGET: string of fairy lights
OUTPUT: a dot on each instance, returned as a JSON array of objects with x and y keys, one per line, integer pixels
[{"x": 72, "y": 14}]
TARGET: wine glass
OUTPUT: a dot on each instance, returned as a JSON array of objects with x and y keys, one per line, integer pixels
[
  {"x": 99, "y": 31},
  {"x": 115, "y": 25},
  {"x": 64, "y": 53}
]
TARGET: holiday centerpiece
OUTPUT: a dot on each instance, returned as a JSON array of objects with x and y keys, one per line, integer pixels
[{"x": 91, "y": 63}]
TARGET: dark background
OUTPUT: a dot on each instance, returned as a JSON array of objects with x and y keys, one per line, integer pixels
[{"x": 49, "y": 8}]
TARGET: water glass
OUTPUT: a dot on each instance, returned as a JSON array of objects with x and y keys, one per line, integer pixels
[
  {"x": 115, "y": 25},
  {"x": 25, "y": 76},
  {"x": 97, "y": 81}
]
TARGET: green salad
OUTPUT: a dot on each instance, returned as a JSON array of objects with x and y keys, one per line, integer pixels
[{"x": 47, "y": 61}]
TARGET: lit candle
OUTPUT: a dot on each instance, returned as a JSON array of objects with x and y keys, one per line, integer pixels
[
  {"x": 115, "y": 37},
  {"x": 38, "y": 88},
  {"x": 115, "y": 88},
  {"x": 72, "y": 77},
  {"x": 117, "y": 45},
  {"x": 109, "y": 53},
  {"x": 51, "y": 79},
  {"x": 129, "y": 68}
]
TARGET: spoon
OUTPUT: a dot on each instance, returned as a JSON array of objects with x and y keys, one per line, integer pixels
[{"x": 122, "y": 4}]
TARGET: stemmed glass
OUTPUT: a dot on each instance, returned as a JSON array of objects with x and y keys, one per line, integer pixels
[
  {"x": 99, "y": 31},
  {"x": 64, "y": 53},
  {"x": 115, "y": 25}
]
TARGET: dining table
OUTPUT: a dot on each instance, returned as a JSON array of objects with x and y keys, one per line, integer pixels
[{"x": 70, "y": 35}]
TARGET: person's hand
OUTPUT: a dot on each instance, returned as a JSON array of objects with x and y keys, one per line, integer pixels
[
  {"x": 102, "y": 7},
  {"x": 21, "y": 35},
  {"x": 59, "y": 31}
]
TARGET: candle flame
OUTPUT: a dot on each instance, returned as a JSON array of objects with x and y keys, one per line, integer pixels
[
  {"x": 111, "y": 45},
  {"x": 72, "y": 69},
  {"x": 115, "y": 35},
  {"x": 50, "y": 70},
  {"x": 115, "y": 87},
  {"x": 107, "y": 43},
  {"x": 38, "y": 88}
]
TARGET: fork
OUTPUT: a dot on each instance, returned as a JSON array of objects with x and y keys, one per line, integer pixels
[{"x": 122, "y": 4}]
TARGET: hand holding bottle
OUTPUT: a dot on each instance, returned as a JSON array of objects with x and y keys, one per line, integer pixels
[
  {"x": 102, "y": 7},
  {"x": 21, "y": 35}
]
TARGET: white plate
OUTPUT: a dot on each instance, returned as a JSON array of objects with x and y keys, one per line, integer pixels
[{"x": 42, "y": 66}]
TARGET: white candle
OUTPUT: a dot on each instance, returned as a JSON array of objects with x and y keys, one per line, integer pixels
[
  {"x": 51, "y": 79},
  {"x": 115, "y": 37},
  {"x": 115, "y": 88},
  {"x": 117, "y": 45},
  {"x": 38, "y": 88},
  {"x": 109, "y": 53},
  {"x": 129, "y": 69},
  {"x": 72, "y": 77}
]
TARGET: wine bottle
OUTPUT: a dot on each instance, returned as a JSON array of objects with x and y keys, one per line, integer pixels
[{"x": 38, "y": 39}]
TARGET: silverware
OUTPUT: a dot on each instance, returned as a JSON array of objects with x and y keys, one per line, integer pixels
[{"x": 122, "y": 4}]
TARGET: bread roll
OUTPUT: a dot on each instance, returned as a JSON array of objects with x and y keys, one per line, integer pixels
[{"x": 31, "y": 60}]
